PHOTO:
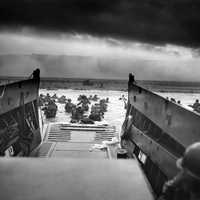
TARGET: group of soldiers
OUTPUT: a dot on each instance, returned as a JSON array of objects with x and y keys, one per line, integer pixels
[
  {"x": 43, "y": 99},
  {"x": 78, "y": 110},
  {"x": 98, "y": 110},
  {"x": 48, "y": 105},
  {"x": 196, "y": 106}
]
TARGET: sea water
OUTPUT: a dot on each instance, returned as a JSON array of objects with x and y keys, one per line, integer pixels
[{"x": 116, "y": 111}]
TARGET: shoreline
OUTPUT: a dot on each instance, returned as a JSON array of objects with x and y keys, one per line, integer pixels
[
  {"x": 162, "y": 90},
  {"x": 109, "y": 84}
]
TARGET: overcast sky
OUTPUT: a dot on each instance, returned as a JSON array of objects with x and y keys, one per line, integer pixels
[{"x": 154, "y": 39}]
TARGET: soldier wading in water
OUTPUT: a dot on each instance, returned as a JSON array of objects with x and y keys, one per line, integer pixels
[{"x": 186, "y": 184}]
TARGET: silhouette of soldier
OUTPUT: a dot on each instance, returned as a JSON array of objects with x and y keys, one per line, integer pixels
[
  {"x": 196, "y": 105},
  {"x": 186, "y": 184}
]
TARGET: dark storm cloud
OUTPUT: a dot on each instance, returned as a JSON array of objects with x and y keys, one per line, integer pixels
[{"x": 153, "y": 21}]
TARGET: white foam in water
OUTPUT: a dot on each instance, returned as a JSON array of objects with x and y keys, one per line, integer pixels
[
  {"x": 114, "y": 116},
  {"x": 116, "y": 112}
]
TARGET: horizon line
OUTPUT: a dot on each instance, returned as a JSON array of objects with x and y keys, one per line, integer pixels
[{"x": 93, "y": 79}]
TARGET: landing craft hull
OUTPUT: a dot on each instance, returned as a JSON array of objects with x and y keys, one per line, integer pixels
[
  {"x": 19, "y": 122},
  {"x": 157, "y": 132},
  {"x": 75, "y": 177}
]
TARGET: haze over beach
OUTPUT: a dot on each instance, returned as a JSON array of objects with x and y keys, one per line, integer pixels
[
  {"x": 86, "y": 56},
  {"x": 154, "y": 40}
]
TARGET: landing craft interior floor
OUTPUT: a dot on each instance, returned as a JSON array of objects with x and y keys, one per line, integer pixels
[
  {"x": 76, "y": 140},
  {"x": 78, "y": 179}
]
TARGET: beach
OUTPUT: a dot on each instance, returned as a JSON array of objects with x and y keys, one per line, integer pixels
[{"x": 116, "y": 111}]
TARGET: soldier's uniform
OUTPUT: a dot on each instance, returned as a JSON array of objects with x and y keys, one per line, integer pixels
[{"x": 186, "y": 184}]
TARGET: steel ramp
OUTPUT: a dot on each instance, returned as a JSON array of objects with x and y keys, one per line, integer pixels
[
  {"x": 72, "y": 179},
  {"x": 76, "y": 140}
]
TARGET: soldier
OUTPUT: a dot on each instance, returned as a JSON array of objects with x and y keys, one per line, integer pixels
[
  {"x": 186, "y": 184},
  {"x": 54, "y": 96},
  {"x": 51, "y": 109},
  {"x": 47, "y": 98},
  {"x": 95, "y": 98},
  {"x": 41, "y": 100},
  {"x": 103, "y": 105},
  {"x": 62, "y": 99},
  {"x": 69, "y": 105},
  {"x": 77, "y": 113},
  {"x": 73, "y": 111},
  {"x": 83, "y": 100},
  {"x": 196, "y": 105},
  {"x": 90, "y": 98}
]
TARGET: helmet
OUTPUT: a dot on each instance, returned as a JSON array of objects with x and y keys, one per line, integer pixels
[{"x": 190, "y": 162}]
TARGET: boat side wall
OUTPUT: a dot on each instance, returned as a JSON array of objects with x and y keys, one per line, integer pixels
[
  {"x": 19, "y": 107},
  {"x": 157, "y": 131},
  {"x": 181, "y": 124},
  {"x": 15, "y": 94},
  {"x": 159, "y": 155}
]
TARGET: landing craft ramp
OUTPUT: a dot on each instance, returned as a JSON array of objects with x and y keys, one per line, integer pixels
[
  {"x": 79, "y": 170},
  {"x": 76, "y": 141},
  {"x": 72, "y": 179},
  {"x": 50, "y": 178}
]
